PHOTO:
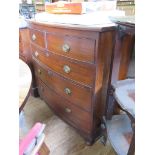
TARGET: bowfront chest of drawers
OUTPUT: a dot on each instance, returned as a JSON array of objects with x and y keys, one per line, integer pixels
[{"x": 72, "y": 69}]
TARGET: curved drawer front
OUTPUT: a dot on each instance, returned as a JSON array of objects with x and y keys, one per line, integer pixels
[
  {"x": 72, "y": 47},
  {"x": 20, "y": 42},
  {"x": 72, "y": 114},
  {"x": 80, "y": 96},
  {"x": 79, "y": 72},
  {"x": 37, "y": 37}
]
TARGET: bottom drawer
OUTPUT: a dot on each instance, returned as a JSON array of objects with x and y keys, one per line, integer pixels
[{"x": 67, "y": 111}]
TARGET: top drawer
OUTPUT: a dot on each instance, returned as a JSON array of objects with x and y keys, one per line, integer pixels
[
  {"x": 37, "y": 37},
  {"x": 73, "y": 47}
]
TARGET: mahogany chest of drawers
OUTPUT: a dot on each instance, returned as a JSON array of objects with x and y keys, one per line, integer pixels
[{"x": 72, "y": 69}]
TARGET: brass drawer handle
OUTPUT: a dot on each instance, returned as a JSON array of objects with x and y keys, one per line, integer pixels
[
  {"x": 67, "y": 91},
  {"x": 66, "y": 69},
  {"x": 49, "y": 73},
  {"x": 36, "y": 53},
  {"x": 68, "y": 110},
  {"x": 39, "y": 71},
  {"x": 65, "y": 48},
  {"x": 34, "y": 37}
]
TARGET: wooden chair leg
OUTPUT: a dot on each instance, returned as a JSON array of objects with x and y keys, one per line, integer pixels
[
  {"x": 103, "y": 139},
  {"x": 110, "y": 106},
  {"x": 132, "y": 146}
]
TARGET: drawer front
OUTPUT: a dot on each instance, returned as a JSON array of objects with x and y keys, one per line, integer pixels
[
  {"x": 77, "y": 94},
  {"x": 72, "y": 47},
  {"x": 20, "y": 47},
  {"x": 37, "y": 37},
  {"x": 80, "y": 72},
  {"x": 72, "y": 114},
  {"x": 20, "y": 43}
]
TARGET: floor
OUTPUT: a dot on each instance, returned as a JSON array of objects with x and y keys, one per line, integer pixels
[{"x": 60, "y": 137}]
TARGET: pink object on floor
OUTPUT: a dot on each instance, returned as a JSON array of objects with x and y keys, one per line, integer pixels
[{"x": 29, "y": 137}]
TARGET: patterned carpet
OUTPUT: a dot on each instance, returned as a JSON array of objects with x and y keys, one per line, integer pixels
[{"x": 60, "y": 137}]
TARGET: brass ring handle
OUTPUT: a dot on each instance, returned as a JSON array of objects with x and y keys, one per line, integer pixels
[
  {"x": 67, "y": 91},
  {"x": 34, "y": 37},
  {"x": 65, "y": 48},
  {"x": 68, "y": 110},
  {"x": 39, "y": 71},
  {"x": 36, "y": 53},
  {"x": 66, "y": 69}
]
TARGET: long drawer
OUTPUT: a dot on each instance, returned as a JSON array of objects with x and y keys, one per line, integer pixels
[
  {"x": 80, "y": 72},
  {"x": 67, "y": 111},
  {"x": 73, "y": 47},
  {"x": 75, "y": 93}
]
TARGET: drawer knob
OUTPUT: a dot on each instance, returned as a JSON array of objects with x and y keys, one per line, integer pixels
[
  {"x": 36, "y": 53},
  {"x": 67, "y": 91},
  {"x": 68, "y": 110},
  {"x": 66, "y": 69},
  {"x": 65, "y": 48},
  {"x": 39, "y": 71},
  {"x": 34, "y": 37}
]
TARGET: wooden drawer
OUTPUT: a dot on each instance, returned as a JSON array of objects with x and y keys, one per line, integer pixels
[
  {"x": 37, "y": 37},
  {"x": 80, "y": 72},
  {"x": 20, "y": 43},
  {"x": 67, "y": 111},
  {"x": 20, "y": 47},
  {"x": 75, "y": 93},
  {"x": 72, "y": 47}
]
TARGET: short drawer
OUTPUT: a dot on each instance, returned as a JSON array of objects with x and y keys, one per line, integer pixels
[
  {"x": 75, "y": 93},
  {"x": 80, "y": 72},
  {"x": 67, "y": 111},
  {"x": 37, "y": 37},
  {"x": 72, "y": 47}
]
